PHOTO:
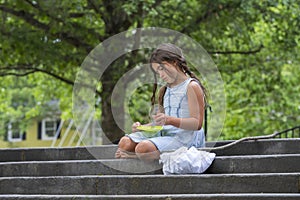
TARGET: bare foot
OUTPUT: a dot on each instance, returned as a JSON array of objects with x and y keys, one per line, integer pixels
[
  {"x": 118, "y": 153},
  {"x": 124, "y": 154}
]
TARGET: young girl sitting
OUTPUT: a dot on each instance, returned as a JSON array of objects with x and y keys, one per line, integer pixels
[{"x": 182, "y": 113}]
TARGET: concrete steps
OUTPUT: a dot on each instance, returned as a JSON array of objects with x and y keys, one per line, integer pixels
[
  {"x": 261, "y": 147},
  {"x": 255, "y": 196},
  {"x": 267, "y": 169},
  {"x": 282, "y": 163},
  {"x": 152, "y": 184}
]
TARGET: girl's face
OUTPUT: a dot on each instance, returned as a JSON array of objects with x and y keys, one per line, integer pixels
[{"x": 166, "y": 71}]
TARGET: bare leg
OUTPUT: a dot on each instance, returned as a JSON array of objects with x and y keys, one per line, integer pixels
[
  {"x": 147, "y": 151},
  {"x": 126, "y": 148}
]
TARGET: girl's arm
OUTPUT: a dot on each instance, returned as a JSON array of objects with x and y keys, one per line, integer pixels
[{"x": 196, "y": 108}]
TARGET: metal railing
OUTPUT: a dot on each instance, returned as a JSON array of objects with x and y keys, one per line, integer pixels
[{"x": 290, "y": 133}]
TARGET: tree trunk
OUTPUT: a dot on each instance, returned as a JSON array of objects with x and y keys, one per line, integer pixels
[{"x": 112, "y": 125}]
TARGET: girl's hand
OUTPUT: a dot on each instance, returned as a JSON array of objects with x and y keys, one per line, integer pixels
[
  {"x": 134, "y": 126},
  {"x": 160, "y": 119}
]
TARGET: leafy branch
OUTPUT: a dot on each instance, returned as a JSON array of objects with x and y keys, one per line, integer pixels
[
  {"x": 23, "y": 70},
  {"x": 258, "y": 49},
  {"x": 29, "y": 18}
]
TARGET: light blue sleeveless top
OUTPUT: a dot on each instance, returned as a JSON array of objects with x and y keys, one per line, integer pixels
[{"x": 176, "y": 105}]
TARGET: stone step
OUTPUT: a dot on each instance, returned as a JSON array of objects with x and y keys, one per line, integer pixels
[
  {"x": 259, "y": 196},
  {"x": 256, "y": 164},
  {"x": 152, "y": 184},
  {"x": 65, "y": 153},
  {"x": 261, "y": 147},
  {"x": 78, "y": 167},
  {"x": 222, "y": 164}
]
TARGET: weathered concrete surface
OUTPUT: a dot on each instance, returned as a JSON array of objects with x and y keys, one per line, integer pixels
[
  {"x": 280, "y": 163},
  {"x": 272, "y": 196},
  {"x": 261, "y": 147},
  {"x": 222, "y": 164},
  {"x": 47, "y": 154},
  {"x": 78, "y": 167},
  {"x": 153, "y": 184},
  {"x": 254, "y": 170}
]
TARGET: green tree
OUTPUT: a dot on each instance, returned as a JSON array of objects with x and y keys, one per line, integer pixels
[{"x": 254, "y": 43}]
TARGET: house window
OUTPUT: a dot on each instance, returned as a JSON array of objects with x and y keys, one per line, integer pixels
[
  {"x": 49, "y": 129},
  {"x": 14, "y": 134}
]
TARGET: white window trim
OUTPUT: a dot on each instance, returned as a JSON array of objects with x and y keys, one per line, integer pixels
[
  {"x": 44, "y": 135},
  {"x": 10, "y": 134}
]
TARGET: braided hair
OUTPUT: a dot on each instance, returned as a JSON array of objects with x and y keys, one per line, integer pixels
[{"x": 170, "y": 53}]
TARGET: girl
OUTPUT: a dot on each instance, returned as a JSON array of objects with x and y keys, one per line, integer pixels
[{"x": 183, "y": 102}]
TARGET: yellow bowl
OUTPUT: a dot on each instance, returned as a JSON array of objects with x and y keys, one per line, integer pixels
[{"x": 150, "y": 129}]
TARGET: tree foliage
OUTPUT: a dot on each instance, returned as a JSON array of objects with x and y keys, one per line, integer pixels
[{"x": 255, "y": 45}]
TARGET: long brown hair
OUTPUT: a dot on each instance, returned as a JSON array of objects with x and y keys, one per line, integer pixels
[{"x": 170, "y": 53}]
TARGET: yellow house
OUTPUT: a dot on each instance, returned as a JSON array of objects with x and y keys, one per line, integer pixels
[{"x": 50, "y": 132}]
